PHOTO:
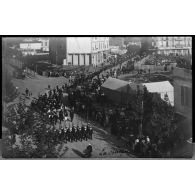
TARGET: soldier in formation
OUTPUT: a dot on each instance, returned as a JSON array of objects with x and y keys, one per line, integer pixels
[{"x": 70, "y": 134}]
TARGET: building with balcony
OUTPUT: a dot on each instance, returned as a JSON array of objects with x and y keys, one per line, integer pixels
[{"x": 173, "y": 45}]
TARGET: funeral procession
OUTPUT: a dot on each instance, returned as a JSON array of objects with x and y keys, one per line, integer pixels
[{"x": 96, "y": 97}]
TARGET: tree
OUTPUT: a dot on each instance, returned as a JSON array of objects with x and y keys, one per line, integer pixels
[
  {"x": 31, "y": 129},
  {"x": 8, "y": 90},
  {"x": 146, "y": 44}
]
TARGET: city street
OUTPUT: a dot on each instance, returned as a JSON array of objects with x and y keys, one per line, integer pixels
[
  {"x": 104, "y": 144},
  {"x": 111, "y": 87}
]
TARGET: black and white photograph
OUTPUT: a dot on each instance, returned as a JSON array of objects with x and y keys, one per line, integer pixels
[{"x": 96, "y": 97}]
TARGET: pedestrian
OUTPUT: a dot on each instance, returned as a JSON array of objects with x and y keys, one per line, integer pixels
[
  {"x": 27, "y": 92},
  {"x": 61, "y": 115},
  {"x": 71, "y": 114}
]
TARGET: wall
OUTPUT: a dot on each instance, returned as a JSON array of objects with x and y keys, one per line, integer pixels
[
  {"x": 79, "y": 59},
  {"x": 182, "y": 77},
  {"x": 78, "y": 45}
]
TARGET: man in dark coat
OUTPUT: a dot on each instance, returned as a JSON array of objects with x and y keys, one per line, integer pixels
[
  {"x": 71, "y": 114},
  {"x": 61, "y": 116}
]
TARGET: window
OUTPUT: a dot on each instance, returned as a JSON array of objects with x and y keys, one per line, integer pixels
[{"x": 185, "y": 95}]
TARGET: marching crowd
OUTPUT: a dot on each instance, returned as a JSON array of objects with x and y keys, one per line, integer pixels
[
  {"x": 70, "y": 134},
  {"x": 83, "y": 96},
  {"x": 61, "y": 103}
]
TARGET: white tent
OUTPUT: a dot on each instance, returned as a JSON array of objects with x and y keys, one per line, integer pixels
[{"x": 162, "y": 88}]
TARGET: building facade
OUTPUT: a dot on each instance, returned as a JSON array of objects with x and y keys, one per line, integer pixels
[
  {"x": 183, "y": 91},
  {"x": 78, "y": 51},
  {"x": 100, "y": 48},
  {"x": 173, "y": 45},
  {"x": 183, "y": 97},
  {"x": 44, "y": 44},
  {"x": 30, "y": 47},
  {"x": 37, "y": 46},
  {"x": 87, "y": 50}
]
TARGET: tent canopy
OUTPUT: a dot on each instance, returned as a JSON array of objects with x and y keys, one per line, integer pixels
[
  {"x": 162, "y": 88},
  {"x": 115, "y": 84},
  {"x": 159, "y": 87}
]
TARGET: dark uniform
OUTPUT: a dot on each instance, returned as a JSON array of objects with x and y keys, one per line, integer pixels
[
  {"x": 68, "y": 134},
  {"x": 65, "y": 135},
  {"x": 61, "y": 117},
  {"x": 85, "y": 133},
  {"x": 74, "y": 133},
  {"x": 79, "y": 135},
  {"x": 82, "y": 132},
  {"x": 91, "y": 133}
]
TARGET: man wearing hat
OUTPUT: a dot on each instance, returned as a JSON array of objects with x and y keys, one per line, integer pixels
[
  {"x": 88, "y": 130},
  {"x": 65, "y": 134},
  {"x": 74, "y": 133},
  {"x": 85, "y": 133},
  {"x": 80, "y": 134},
  {"x": 71, "y": 135},
  {"x": 91, "y": 132}
]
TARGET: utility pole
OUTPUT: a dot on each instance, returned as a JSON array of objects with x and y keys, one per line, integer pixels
[{"x": 141, "y": 124}]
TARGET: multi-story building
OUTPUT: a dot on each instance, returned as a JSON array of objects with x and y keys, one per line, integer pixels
[
  {"x": 35, "y": 46},
  {"x": 45, "y": 44},
  {"x": 58, "y": 50},
  {"x": 87, "y": 50},
  {"x": 183, "y": 96},
  {"x": 173, "y": 45},
  {"x": 100, "y": 48},
  {"x": 79, "y": 50},
  {"x": 30, "y": 47}
]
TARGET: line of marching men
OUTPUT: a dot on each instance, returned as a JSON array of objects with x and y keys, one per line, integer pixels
[{"x": 71, "y": 134}]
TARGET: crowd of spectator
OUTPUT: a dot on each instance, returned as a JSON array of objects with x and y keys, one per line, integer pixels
[{"x": 167, "y": 60}]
